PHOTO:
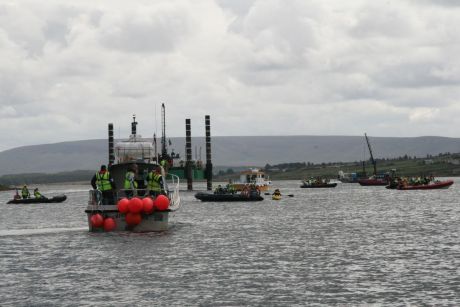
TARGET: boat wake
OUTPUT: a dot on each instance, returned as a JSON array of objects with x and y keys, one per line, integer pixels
[{"x": 39, "y": 231}]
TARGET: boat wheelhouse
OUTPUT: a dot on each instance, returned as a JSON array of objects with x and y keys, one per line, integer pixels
[{"x": 252, "y": 176}]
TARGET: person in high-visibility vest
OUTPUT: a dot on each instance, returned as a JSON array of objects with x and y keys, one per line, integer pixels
[
  {"x": 37, "y": 194},
  {"x": 130, "y": 184},
  {"x": 155, "y": 182},
  {"x": 25, "y": 192},
  {"x": 103, "y": 182}
]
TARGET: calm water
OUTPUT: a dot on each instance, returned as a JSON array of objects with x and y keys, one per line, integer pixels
[{"x": 350, "y": 245}]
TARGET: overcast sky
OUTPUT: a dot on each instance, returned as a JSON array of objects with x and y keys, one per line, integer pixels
[{"x": 258, "y": 67}]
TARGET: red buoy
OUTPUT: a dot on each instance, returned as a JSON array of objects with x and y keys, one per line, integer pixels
[
  {"x": 147, "y": 203},
  {"x": 109, "y": 224},
  {"x": 133, "y": 219},
  {"x": 162, "y": 202},
  {"x": 97, "y": 220},
  {"x": 123, "y": 205},
  {"x": 135, "y": 205}
]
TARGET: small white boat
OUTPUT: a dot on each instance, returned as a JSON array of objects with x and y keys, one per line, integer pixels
[{"x": 252, "y": 176}]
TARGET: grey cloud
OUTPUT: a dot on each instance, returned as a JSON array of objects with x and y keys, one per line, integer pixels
[
  {"x": 239, "y": 7},
  {"x": 416, "y": 75},
  {"x": 445, "y": 3},
  {"x": 383, "y": 20},
  {"x": 149, "y": 32}
]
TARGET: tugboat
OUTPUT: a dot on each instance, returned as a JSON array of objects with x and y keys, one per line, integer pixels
[{"x": 138, "y": 213}]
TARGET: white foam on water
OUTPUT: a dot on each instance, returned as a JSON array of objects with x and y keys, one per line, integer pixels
[{"x": 27, "y": 232}]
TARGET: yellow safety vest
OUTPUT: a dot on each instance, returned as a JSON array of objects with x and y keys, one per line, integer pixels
[
  {"x": 25, "y": 192},
  {"x": 153, "y": 182},
  {"x": 103, "y": 181},
  {"x": 128, "y": 177}
]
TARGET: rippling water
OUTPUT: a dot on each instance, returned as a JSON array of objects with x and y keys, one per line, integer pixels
[{"x": 350, "y": 245}]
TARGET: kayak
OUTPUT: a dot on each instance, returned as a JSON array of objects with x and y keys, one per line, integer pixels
[
  {"x": 227, "y": 197},
  {"x": 431, "y": 186},
  {"x": 318, "y": 185},
  {"x": 276, "y": 197},
  {"x": 55, "y": 199}
]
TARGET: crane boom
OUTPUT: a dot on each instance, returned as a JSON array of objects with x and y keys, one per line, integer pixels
[
  {"x": 164, "y": 150},
  {"x": 372, "y": 156}
]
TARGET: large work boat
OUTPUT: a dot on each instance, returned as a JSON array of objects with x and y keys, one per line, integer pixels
[{"x": 117, "y": 215}]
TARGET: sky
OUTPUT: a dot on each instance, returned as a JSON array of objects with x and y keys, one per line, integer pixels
[{"x": 257, "y": 67}]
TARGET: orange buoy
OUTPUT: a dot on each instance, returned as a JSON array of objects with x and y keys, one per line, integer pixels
[
  {"x": 133, "y": 219},
  {"x": 162, "y": 202},
  {"x": 109, "y": 224},
  {"x": 147, "y": 203},
  {"x": 123, "y": 205},
  {"x": 97, "y": 220},
  {"x": 135, "y": 205}
]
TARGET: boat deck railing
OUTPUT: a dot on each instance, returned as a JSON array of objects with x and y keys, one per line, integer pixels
[
  {"x": 174, "y": 196},
  {"x": 96, "y": 199}
]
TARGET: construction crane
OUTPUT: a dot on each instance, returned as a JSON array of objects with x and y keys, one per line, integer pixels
[{"x": 374, "y": 163}]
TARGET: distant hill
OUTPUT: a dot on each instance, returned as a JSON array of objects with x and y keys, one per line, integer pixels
[{"x": 229, "y": 151}]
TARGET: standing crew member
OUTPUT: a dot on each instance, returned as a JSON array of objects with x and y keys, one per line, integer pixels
[
  {"x": 130, "y": 184},
  {"x": 155, "y": 182},
  {"x": 25, "y": 192},
  {"x": 103, "y": 181}
]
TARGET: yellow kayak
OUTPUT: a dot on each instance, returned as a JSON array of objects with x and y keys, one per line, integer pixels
[{"x": 276, "y": 197}]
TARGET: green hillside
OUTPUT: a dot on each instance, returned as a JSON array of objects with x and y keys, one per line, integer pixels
[{"x": 442, "y": 165}]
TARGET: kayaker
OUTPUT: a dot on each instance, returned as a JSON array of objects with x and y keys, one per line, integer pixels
[
  {"x": 37, "y": 194},
  {"x": 130, "y": 184},
  {"x": 277, "y": 192},
  {"x": 25, "y": 192},
  {"x": 16, "y": 196},
  {"x": 155, "y": 182},
  {"x": 103, "y": 182}
]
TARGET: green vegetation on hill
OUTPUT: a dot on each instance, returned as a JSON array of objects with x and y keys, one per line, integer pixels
[
  {"x": 40, "y": 178},
  {"x": 442, "y": 165},
  {"x": 4, "y": 188}
]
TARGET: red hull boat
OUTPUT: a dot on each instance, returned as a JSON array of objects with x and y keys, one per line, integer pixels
[
  {"x": 373, "y": 181},
  {"x": 436, "y": 185}
]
